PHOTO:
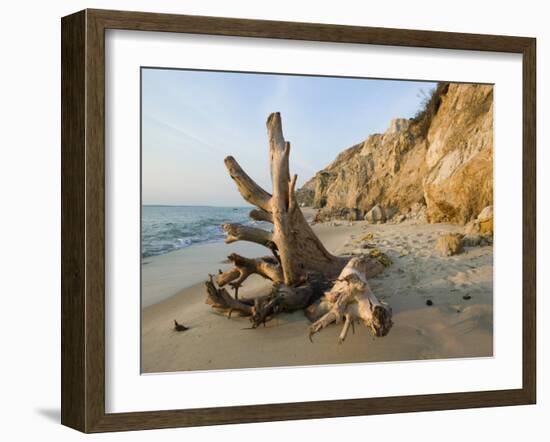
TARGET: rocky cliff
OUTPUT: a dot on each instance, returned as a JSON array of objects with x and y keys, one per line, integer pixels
[{"x": 437, "y": 166}]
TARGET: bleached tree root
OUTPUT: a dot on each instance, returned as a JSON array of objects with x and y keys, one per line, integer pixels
[
  {"x": 300, "y": 268},
  {"x": 220, "y": 300},
  {"x": 282, "y": 298},
  {"x": 268, "y": 267},
  {"x": 350, "y": 300},
  {"x": 292, "y": 242}
]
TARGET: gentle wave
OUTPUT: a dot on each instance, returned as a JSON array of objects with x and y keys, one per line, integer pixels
[{"x": 168, "y": 228}]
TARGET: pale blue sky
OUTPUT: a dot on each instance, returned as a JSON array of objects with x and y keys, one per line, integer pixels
[{"x": 191, "y": 120}]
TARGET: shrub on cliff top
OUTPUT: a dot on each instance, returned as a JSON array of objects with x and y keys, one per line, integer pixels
[{"x": 429, "y": 108}]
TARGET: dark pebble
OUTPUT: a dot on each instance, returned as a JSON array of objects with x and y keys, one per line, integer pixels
[
  {"x": 466, "y": 297},
  {"x": 429, "y": 302}
]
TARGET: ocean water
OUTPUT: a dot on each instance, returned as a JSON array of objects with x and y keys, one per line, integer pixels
[{"x": 168, "y": 228}]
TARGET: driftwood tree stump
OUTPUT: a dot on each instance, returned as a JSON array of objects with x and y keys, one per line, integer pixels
[
  {"x": 351, "y": 299},
  {"x": 300, "y": 267}
]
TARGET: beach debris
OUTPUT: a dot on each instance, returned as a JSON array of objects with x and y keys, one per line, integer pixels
[
  {"x": 449, "y": 244},
  {"x": 429, "y": 302},
  {"x": 300, "y": 267},
  {"x": 381, "y": 257},
  {"x": 466, "y": 297},
  {"x": 179, "y": 327},
  {"x": 368, "y": 237},
  {"x": 352, "y": 299},
  {"x": 222, "y": 301}
]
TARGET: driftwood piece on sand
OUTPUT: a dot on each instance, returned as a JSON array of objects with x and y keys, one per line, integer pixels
[
  {"x": 350, "y": 300},
  {"x": 301, "y": 268}
]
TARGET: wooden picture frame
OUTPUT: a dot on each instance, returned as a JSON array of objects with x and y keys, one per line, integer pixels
[{"x": 83, "y": 219}]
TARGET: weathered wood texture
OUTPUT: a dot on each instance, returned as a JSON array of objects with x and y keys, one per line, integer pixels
[
  {"x": 296, "y": 248},
  {"x": 352, "y": 300},
  {"x": 301, "y": 268},
  {"x": 73, "y": 252}
]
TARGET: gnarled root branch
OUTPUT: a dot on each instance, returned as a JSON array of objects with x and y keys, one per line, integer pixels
[
  {"x": 238, "y": 232},
  {"x": 267, "y": 266},
  {"x": 285, "y": 298},
  {"x": 261, "y": 215},
  {"x": 301, "y": 268},
  {"x": 351, "y": 299},
  {"x": 222, "y": 301},
  {"x": 282, "y": 298}
]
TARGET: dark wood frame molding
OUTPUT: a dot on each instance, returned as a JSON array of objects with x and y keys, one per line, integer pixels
[{"x": 83, "y": 217}]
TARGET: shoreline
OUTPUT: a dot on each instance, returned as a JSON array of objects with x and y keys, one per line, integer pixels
[
  {"x": 452, "y": 327},
  {"x": 162, "y": 276}
]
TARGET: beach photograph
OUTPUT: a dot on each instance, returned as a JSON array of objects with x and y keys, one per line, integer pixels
[{"x": 297, "y": 220}]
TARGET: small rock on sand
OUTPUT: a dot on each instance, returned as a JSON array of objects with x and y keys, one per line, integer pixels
[
  {"x": 475, "y": 240},
  {"x": 482, "y": 224},
  {"x": 484, "y": 221},
  {"x": 376, "y": 215},
  {"x": 449, "y": 244}
]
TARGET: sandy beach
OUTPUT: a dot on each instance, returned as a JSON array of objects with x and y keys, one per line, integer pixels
[{"x": 459, "y": 323}]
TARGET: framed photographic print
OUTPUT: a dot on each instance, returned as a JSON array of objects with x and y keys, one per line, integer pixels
[{"x": 270, "y": 220}]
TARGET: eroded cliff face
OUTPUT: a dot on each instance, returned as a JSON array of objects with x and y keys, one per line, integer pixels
[{"x": 437, "y": 167}]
